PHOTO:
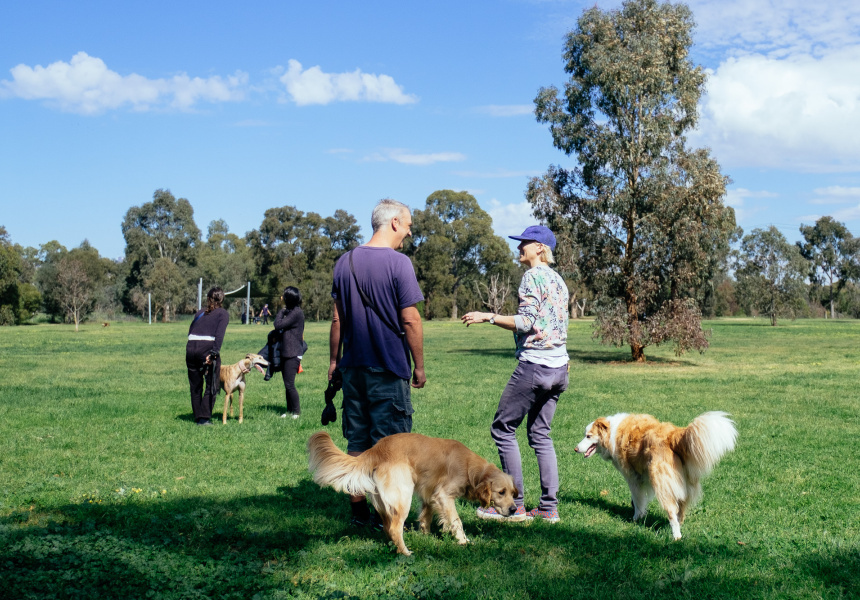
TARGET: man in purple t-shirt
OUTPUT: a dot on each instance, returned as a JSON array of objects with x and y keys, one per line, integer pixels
[{"x": 375, "y": 329}]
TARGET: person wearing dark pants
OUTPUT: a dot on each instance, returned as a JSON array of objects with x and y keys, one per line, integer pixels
[
  {"x": 290, "y": 322},
  {"x": 203, "y": 355},
  {"x": 540, "y": 333},
  {"x": 376, "y": 339}
]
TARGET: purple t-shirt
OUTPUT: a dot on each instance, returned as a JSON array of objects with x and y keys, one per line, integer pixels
[{"x": 388, "y": 279}]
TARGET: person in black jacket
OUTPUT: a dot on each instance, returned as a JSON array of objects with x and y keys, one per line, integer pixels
[
  {"x": 290, "y": 322},
  {"x": 203, "y": 355}
]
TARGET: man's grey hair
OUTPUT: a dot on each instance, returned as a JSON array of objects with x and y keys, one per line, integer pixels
[{"x": 385, "y": 210}]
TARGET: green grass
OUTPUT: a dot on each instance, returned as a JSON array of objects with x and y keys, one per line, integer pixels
[{"x": 107, "y": 490}]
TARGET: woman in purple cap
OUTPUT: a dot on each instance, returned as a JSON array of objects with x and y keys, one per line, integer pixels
[{"x": 540, "y": 332}]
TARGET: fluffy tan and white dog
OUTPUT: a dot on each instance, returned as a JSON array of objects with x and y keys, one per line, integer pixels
[
  {"x": 661, "y": 459},
  {"x": 437, "y": 470},
  {"x": 233, "y": 378}
]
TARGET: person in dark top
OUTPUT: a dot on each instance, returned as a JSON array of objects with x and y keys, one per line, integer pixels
[
  {"x": 290, "y": 321},
  {"x": 265, "y": 314},
  {"x": 377, "y": 326},
  {"x": 203, "y": 355}
]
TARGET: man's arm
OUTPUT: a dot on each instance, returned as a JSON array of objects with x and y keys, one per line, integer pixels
[
  {"x": 411, "y": 319},
  {"x": 334, "y": 338}
]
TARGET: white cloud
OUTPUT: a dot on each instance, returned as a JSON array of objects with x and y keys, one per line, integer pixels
[
  {"x": 777, "y": 29},
  {"x": 737, "y": 199},
  {"x": 410, "y": 158},
  {"x": 498, "y": 174},
  {"x": 85, "y": 85},
  {"x": 313, "y": 86},
  {"x": 798, "y": 113},
  {"x": 847, "y": 214},
  {"x": 507, "y": 110},
  {"x": 836, "y": 194},
  {"x": 511, "y": 219}
]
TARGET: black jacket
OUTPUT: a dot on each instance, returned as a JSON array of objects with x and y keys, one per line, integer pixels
[{"x": 291, "y": 324}]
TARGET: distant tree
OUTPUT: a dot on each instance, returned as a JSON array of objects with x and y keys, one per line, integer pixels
[
  {"x": 168, "y": 286},
  {"x": 103, "y": 279},
  {"x": 495, "y": 292},
  {"x": 645, "y": 213},
  {"x": 49, "y": 256},
  {"x": 11, "y": 266},
  {"x": 771, "y": 274},
  {"x": 300, "y": 249},
  {"x": 74, "y": 290},
  {"x": 163, "y": 229},
  {"x": 453, "y": 247},
  {"x": 224, "y": 259},
  {"x": 830, "y": 249}
]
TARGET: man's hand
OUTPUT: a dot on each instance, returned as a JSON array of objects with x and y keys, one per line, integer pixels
[
  {"x": 331, "y": 369},
  {"x": 418, "y": 378}
]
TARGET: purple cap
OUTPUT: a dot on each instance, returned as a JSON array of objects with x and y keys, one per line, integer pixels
[{"x": 537, "y": 233}]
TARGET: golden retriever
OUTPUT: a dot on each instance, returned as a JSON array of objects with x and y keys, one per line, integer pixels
[
  {"x": 437, "y": 470},
  {"x": 233, "y": 377},
  {"x": 661, "y": 459}
]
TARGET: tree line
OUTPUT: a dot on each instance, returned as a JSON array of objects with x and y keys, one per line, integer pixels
[
  {"x": 454, "y": 250},
  {"x": 645, "y": 241},
  {"x": 460, "y": 262}
]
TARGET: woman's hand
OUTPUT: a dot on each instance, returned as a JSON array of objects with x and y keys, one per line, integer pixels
[{"x": 476, "y": 317}]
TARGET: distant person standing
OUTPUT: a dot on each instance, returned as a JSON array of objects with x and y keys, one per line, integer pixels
[
  {"x": 290, "y": 323},
  {"x": 264, "y": 314},
  {"x": 203, "y": 355},
  {"x": 540, "y": 333},
  {"x": 377, "y": 326}
]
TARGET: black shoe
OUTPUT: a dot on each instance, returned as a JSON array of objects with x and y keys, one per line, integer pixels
[
  {"x": 373, "y": 522},
  {"x": 204, "y": 422}
]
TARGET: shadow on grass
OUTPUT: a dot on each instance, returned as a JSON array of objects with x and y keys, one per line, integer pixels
[
  {"x": 836, "y": 568},
  {"x": 298, "y": 542}
]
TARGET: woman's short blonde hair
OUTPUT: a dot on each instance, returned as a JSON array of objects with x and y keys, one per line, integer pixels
[{"x": 546, "y": 255}]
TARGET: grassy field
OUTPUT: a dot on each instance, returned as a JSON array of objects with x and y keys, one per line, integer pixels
[{"x": 108, "y": 490}]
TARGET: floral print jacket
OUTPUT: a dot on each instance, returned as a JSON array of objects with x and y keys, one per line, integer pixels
[{"x": 542, "y": 315}]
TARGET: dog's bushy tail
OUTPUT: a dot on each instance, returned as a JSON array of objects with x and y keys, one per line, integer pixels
[
  {"x": 705, "y": 441},
  {"x": 332, "y": 467}
]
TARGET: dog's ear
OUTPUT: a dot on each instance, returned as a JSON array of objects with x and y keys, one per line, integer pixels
[
  {"x": 484, "y": 492},
  {"x": 479, "y": 489},
  {"x": 247, "y": 356},
  {"x": 601, "y": 427}
]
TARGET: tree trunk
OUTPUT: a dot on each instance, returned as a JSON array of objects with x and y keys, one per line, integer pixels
[
  {"x": 832, "y": 307},
  {"x": 638, "y": 352},
  {"x": 454, "y": 314}
]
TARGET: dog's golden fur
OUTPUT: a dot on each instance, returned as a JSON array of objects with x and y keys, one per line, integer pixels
[
  {"x": 661, "y": 459},
  {"x": 437, "y": 470},
  {"x": 233, "y": 378}
]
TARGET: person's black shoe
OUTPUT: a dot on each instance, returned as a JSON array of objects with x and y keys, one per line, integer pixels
[
  {"x": 204, "y": 422},
  {"x": 373, "y": 522}
]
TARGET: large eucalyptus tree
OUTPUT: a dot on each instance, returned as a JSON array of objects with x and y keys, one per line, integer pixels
[{"x": 644, "y": 213}]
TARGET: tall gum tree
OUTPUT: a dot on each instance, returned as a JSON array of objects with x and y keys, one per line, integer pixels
[
  {"x": 771, "y": 274},
  {"x": 645, "y": 213},
  {"x": 830, "y": 249}
]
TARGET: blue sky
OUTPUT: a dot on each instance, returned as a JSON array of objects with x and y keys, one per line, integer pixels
[{"x": 327, "y": 105}]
